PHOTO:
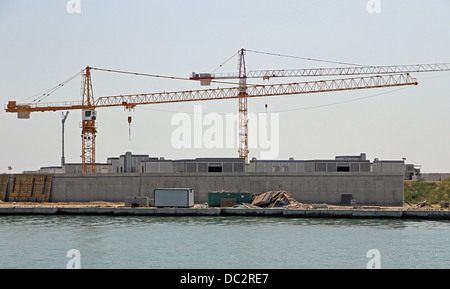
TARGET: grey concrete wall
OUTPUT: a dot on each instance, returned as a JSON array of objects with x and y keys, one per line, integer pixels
[
  {"x": 434, "y": 177},
  {"x": 366, "y": 188}
]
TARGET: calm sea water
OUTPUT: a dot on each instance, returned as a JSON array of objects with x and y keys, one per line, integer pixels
[{"x": 221, "y": 242}]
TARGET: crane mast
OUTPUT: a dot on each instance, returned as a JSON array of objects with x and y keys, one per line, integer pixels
[
  {"x": 63, "y": 121},
  {"x": 243, "y": 119},
  {"x": 88, "y": 125}
]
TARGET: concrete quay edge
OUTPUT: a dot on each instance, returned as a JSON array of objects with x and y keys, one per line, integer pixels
[{"x": 280, "y": 212}]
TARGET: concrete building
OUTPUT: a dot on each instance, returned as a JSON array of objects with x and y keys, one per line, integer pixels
[
  {"x": 127, "y": 163},
  {"x": 71, "y": 168},
  {"x": 210, "y": 165},
  {"x": 390, "y": 166},
  {"x": 335, "y": 181},
  {"x": 366, "y": 188},
  {"x": 433, "y": 177},
  {"x": 158, "y": 165},
  {"x": 355, "y": 164},
  {"x": 142, "y": 163},
  {"x": 339, "y": 164},
  {"x": 411, "y": 171},
  {"x": 272, "y": 166}
]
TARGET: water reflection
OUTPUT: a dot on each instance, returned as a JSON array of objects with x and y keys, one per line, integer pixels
[{"x": 93, "y": 223}]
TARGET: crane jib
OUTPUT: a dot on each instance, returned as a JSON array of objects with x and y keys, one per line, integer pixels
[
  {"x": 222, "y": 93},
  {"x": 206, "y": 78}
]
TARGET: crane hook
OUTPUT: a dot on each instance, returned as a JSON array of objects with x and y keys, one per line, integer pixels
[{"x": 129, "y": 127}]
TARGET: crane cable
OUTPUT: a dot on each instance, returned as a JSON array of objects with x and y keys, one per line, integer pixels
[
  {"x": 46, "y": 93},
  {"x": 226, "y": 61},
  {"x": 157, "y": 75},
  {"x": 305, "y": 58}
]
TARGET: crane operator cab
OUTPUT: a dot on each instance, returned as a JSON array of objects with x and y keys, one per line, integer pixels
[{"x": 89, "y": 115}]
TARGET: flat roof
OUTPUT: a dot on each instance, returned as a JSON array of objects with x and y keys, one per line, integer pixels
[{"x": 387, "y": 161}]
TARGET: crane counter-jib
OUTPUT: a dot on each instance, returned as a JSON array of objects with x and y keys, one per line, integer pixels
[{"x": 12, "y": 106}]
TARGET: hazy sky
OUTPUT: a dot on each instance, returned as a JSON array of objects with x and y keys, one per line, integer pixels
[{"x": 42, "y": 45}]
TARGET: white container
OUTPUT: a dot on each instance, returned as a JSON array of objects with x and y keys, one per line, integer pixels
[{"x": 174, "y": 197}]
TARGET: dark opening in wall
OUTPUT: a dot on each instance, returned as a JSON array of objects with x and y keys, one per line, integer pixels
[
  {"x": 346, "y": 199},
  {"x": 214, "y": 169},
  {"x": 343, "y": 168}
]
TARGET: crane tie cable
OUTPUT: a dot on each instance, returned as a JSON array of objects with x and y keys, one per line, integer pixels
[
  {"x": 304, "y": 58},
  {"x": 156, "y": 75},
  {"x": 47, "y": 92}
]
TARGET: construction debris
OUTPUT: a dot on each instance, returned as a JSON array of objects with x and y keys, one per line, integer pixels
[
  {"x": 422, "y": 204},
  {"x": 273, "y": 199},
  {"x": 136, "y": 201},
  {"x": 298, "y": 205},
  {"x": 201, "y": 206},
  {"x": 247, "y": 206},
  {"x": 319, "y": 206}
]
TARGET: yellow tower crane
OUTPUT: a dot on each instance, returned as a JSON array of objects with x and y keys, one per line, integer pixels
[{"x": 380, "y": 76}]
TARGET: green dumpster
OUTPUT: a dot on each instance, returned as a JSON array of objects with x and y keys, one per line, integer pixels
[{"x": 215, "y": 198}]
